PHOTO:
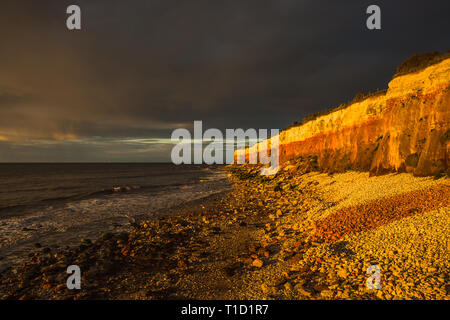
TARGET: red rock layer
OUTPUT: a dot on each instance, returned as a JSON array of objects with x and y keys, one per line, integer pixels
[{"x": 332, "y": 154}]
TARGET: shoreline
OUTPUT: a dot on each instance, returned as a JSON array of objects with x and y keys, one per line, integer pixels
[
  {"x": 63, "y": 224},
  {"x": 258, "y": 241}
]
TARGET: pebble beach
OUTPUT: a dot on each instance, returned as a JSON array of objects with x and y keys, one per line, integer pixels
[{"x": 289, "y": 236}]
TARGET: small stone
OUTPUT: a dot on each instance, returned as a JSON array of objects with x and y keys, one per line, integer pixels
[
  {"x": 46, "y": 286},
  {"x": 280, "y": 281},
  {"x": 342, "y": 273},
  {"x": 60, "y": 287},
  {"x": 46, "y": 250},
  {"x": 345, "y": 294},
  {"x": 257, "y": 263},
  {"x": 288, "y": 286},
  {"x": 86, "y": 241},
  {"x": 326, "y": 293},
  {"x": 301, "y": 290}
]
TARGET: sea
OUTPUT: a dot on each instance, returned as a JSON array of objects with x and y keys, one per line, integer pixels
[{"x": 55, "y": 205}]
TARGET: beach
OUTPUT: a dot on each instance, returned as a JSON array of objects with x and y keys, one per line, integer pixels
[{"x": 292, "y": 236}]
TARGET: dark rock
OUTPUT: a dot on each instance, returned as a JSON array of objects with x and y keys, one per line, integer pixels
[
  {"x": 108, "y": 236},
  {"x": 231, "y": 269},
  {"x": 46, "y": 250}
]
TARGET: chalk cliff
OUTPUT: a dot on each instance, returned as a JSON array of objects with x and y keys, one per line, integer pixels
[{"x": 406, "y": 128}]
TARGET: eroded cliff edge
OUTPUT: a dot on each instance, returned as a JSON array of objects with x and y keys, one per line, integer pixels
[{"x": 405, "y": 129}]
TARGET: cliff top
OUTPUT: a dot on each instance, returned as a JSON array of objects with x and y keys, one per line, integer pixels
[
  {"x": 413, "y": 64},
  {"x": 420, "y": 61}
]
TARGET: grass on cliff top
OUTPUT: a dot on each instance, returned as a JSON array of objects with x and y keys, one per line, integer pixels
[
  {"x": 420, "y": 61},
  {"x": 414, "y": 63},
  {"x": 358, "y": 98}
]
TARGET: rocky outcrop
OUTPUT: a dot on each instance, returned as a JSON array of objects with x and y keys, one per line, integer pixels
[{"x": 405, "y": 129}]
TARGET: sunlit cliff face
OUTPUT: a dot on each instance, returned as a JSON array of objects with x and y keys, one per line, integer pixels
[{"x": 405, "y": 129}]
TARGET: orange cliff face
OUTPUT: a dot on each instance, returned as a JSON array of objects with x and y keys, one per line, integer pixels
[{"x": 407, "y": 129}]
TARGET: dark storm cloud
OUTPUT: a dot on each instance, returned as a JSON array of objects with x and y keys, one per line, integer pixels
[{"x": 138, "y": 69}]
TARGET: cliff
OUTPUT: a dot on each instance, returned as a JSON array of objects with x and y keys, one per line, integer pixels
[{"x": 405, "y": 129}]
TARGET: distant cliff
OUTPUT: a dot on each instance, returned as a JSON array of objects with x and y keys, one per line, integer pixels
[{"x": 404, "y": 129}]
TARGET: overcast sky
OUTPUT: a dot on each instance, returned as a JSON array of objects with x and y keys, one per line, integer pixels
[{"x": 116, "y": 89}]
